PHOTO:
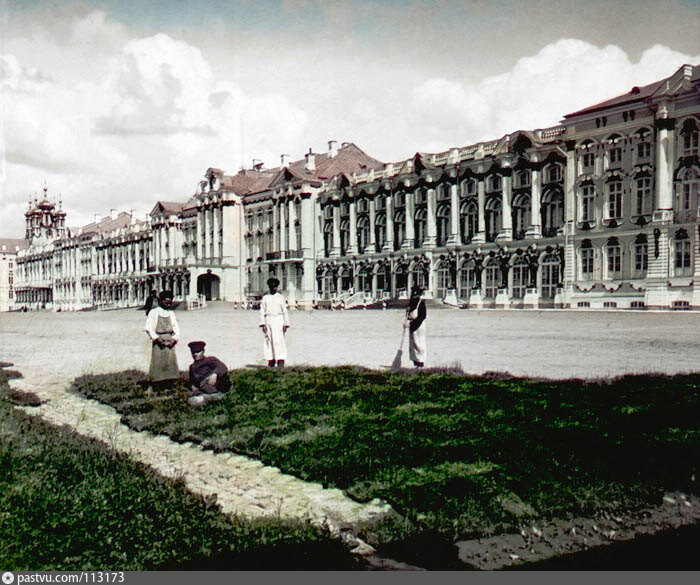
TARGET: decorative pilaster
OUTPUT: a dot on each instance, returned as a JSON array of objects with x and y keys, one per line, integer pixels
[
  {"x": 455, "y": 237},
  {"x": 431, "y": 237},
  {"x": 480, "y": 236},
  {"x": 389, "y": 241},
  {"x": 335, "y": 250},
  {"x": 352, "y": 244},
  {"x": 410, "y": 235},
  {"x": 534, "y": 230}
]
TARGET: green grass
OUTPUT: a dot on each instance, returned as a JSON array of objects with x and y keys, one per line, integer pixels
[
  {"x": 68, "y": 503},
  {"x": 457, "y": 455}
]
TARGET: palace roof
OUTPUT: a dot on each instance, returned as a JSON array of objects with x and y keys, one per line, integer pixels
[
  {"x": 639, "y": 94},
  {"x": 13, "y": 244}
]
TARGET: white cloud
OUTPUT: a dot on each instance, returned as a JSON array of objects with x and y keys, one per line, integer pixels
[{"x": 114, "y": 119}]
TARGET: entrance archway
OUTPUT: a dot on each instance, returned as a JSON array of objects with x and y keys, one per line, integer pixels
[{"x": 208, "y": 285}]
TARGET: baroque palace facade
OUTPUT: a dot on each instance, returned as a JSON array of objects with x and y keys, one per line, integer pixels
[{"x": 598, "y": 212}]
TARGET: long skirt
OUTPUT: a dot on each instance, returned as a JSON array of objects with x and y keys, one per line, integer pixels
[
  {"x": 275, "y": 346},
  {"x": 417, "y": 344},
  {"x": 163, "y": 362}
]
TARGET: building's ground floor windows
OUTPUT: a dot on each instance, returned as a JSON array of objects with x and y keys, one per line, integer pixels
[
  {"x": 520, "y": 273},
  {"x": 682, "y": 249},
  {"x": 491, "y": 280},
  {"x": 467, "y": 280},
  {"x": 587, "y": 263},
  {"x": 641, "y": 259},
  {"x": 443, "y": 280},
  {"x": 550, "y": 275}
]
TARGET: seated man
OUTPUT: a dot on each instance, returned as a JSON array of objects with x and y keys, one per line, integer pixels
[{"x": 208, "y": 376}]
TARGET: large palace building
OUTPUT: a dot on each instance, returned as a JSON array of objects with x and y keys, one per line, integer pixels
[{"x": 598, "y": 212}]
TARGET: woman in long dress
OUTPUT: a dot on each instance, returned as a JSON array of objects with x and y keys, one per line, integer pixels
[
  {"x": 274, "y": 321},
  {"x": 416, "y": 314},
  {"x": 162, "y": 328}
]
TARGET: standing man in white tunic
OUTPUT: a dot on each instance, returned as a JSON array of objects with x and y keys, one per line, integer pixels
[
  {"x": 274, "y": 321},
  {"x": 415, "y": 315}
]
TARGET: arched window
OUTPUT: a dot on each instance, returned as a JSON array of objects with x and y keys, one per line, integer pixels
[
  {"x": 469, "y": 219},
  {"x": 467, "y": 279},
  {"x": 553, "y": 174},
  {"x": 364, "y": 282},
  {"x": 682, "y": 253},
  {"x": 520, "y": 273},
  {"x": 468, "y": 187},
  {"x": 362, "y": 205},
  {"x": 443, "y": 279},
  {"x": 494, "y": 183},
  {"x": 380, "y": 231},
  {"x": 641, "y": 256},
  {"x": 443, "y": 224},
  {"x": 344, "y": 236},
  {"x": 345, "y": 279},
  {"x": 522, "y": 212},
  {"x": 401, "y": 279},
  {"x": 362, "y": 233},
  {"x": 552, "y": 212},
  {"x": 493, "y": 218},
  {"x": 399, "y": 229},
  {"x": 522, "y": 179},
  {"x": 587, "y": 258},
  {"x": 550, "y": 275},
  {"x": 419, "y": 227},
  {"x": 613, "y": 253},
  {"x": 419, "y": 276},
  {"x": 383, "y": 280},
  {"x": 492, "y": 272},
  {"x": 327, "y": 238},
  {"x": 329, "y": 285}
]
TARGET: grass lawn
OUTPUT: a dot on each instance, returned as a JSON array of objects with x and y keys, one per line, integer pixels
[
  {"x": 67, "y": 503},
  {"x": 461, "y": 456}
]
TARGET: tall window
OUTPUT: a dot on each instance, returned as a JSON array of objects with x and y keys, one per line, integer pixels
[
  {"x": 469, "y": 218},
  {"x": 682, "y": 248},
  {"x": 614, "y": 203},
  {"x": 690, "y": 140},
  {"x": 520, "y": 278},
  {"x": 467, "y": 279},
  {"x": 327, "y": 238},
  {"x": 493, "y": 218},
  {"x": 587, "y": 260},
  {"x": 399, "y": 229},
  {"x": 642, "y": 204},
  {"x": 552, "y": 212},
  {"x": 299, "y": 277},
  {"x": 344, "y": 236},
  {"x": 550, "y": 275},
  {"x": 362, "y": 233},
  {"x": 614, "y": 259},
  {"x": 380, "y": 231},
  {"x": 494, "y": 183},
  {"x": 443, "y": 279},
  {"x": 688, "y": 192},
  {"x": 383, "y": 280},
  {"x": 587, "y": 203},
  {"x": 419, "y": 276},
  {"x": 521, "y": 216},
  {"x": 443, "y": 224},
  {"x": 468, "y": 187},
  {"x": 491, "y": 280},
  {"x": 364, "y": 281},
  {"x": 419, "y": 227},
  {"x": 641, "y": 256}
]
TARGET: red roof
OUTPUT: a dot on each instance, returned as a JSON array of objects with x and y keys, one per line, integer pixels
[
  {"x": 634, "y": 95},
  {"x": 108, "y": 224}
]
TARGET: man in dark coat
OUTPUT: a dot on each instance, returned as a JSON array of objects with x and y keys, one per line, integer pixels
[{"x": 208, "y": 376}]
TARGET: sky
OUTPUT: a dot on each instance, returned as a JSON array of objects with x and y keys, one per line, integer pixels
[{"x": 116, "y": 104}]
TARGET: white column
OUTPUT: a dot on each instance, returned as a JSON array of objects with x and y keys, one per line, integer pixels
[
  {"x": 431, "y": 238},
  {"x": 480, "y": 236},
  {"x": 335, "y": 250},
  {"x": 410, "y": 235},
  {"x": 372, "y": 236},
  {"x": 283, "y": 229},
  {"x": 291, "y": 211},
  {"x": 664, "y": 167},
  {"x": 506, "y": 196},
  {"x": 455, "y": 236},
  {"x": 534, "y": 230},
  {"x": 389, "y": 242},
  {"x": 352, "y": 244}
]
